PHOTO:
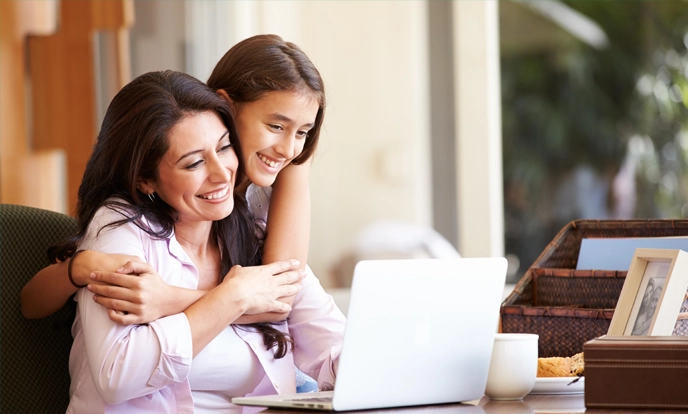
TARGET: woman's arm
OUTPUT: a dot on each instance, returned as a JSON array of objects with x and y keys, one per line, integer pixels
[
  {"x": 317, "y": 326},
  {"x": 288, "y": 226},
  {"x": 131, "y": 361},
  {"x": 244, "y": 291}
]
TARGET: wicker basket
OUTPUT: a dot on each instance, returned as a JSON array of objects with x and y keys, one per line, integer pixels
[{"x": 567, "y": 307}]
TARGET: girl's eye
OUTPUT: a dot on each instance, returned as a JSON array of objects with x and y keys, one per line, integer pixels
[
  {"x": 275, "y": 127},
  {"x": 302, "y": 134}
]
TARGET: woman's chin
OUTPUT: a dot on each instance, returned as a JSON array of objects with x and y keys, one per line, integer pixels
[{"x": 221, "y": 211}]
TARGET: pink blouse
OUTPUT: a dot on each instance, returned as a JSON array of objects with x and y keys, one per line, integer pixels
[{"x": 147, "y": 368}]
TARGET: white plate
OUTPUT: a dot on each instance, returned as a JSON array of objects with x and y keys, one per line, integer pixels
[
  {"x": 548, "y": 404},
  {"x": 558, "y": 385}
]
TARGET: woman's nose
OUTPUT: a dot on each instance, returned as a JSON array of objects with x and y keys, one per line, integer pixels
[{"x": 219, "y": 171}]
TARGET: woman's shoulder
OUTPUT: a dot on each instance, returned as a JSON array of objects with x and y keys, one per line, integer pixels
[
  {"x": 116, "y": 212},
  {"x": 113, "y": 209}
]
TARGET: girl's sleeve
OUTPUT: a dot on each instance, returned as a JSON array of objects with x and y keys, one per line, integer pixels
[
  {"x": 317, "y": 326},
  {"x": 130, "y": 361}
]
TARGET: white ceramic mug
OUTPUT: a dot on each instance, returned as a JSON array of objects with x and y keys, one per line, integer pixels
[{"x": 513, "y": 367}]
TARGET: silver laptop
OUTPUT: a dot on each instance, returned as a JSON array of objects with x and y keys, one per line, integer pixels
[{"x": 418, "y": 332}]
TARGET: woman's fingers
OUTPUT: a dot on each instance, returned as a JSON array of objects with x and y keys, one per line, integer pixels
[
  {"x": 122, "y": 305},
  {"x": 290, "y": 282},
  {"x": 295, "y": 276},
  {"x": 115, "y": 292},
  {"x": 281, "y": 266},
  {"x": 119, "y": 279},
  {"x": 266, "y": 288},
  {"x": 136, "y": 267},
  {"x": 262, "y": 287}
]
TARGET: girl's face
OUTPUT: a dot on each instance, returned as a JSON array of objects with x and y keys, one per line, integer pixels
[
  {"x": 196, "y": 175},
  {"x": 273, "y": 131}
]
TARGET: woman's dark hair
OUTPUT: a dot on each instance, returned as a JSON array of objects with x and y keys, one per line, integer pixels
[
  {"x": 266, "y": 63},
  {"x": 132, "y": 141}
]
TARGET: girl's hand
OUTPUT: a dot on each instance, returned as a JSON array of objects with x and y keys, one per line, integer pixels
[
  {"x": 135, "y": 294},
  {"x": 260, "y": 287}
]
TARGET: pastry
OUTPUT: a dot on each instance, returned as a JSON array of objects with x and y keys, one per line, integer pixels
[{"x": 561, "y": 366}]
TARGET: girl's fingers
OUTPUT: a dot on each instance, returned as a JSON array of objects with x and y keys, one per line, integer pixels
[
  {"x": 280, "y": 307},
  {"x": 122, "y": 318}
]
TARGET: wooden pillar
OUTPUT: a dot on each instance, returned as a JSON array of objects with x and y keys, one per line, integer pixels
[
  {"x": 63, "y": 78},
  {"x": 27, "y": 177}
]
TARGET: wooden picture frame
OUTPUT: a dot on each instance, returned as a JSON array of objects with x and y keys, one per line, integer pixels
[{"x": 652, "y": 294}]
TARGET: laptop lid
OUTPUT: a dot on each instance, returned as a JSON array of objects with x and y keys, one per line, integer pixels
[{"x": 418, "y": 332}]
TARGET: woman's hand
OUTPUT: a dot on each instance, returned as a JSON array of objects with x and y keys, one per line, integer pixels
[
  {"x": 89, "y": 261},
  {"x": 136, "y": 294},
  {"x": 259, "y": 288}
]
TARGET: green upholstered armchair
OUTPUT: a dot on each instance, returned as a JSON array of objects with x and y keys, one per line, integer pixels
[{"x": 34, "y": 354}]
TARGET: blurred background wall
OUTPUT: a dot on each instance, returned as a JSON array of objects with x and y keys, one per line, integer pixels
[
  {"x": 473, "y": 126},
  {"x": 375, "y": 160}
]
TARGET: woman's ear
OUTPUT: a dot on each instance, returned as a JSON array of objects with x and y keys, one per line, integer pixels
[{"x": 145, "y": 187}]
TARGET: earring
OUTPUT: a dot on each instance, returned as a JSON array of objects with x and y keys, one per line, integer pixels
[{"x": 151, "y": 197}]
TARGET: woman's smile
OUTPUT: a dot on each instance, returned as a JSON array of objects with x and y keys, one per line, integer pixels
[{"x": 219, "y": 195}]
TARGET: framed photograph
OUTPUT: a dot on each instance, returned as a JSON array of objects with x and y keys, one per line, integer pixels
[{"x": 652, "y": 295}]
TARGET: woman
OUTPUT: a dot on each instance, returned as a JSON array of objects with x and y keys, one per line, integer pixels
[
  {"x": 278, "y": 100},
  {"x": 159, "y": 186}
]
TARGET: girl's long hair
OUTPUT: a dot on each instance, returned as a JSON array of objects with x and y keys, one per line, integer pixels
[{"x": 130, "y": 146}]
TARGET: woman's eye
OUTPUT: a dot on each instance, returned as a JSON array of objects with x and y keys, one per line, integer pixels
[
  {"x": 225, "y": 148},
  {"x": 194, "y": 165},
  {"x": 302, "y": 134},
  {"x": 275, "y": 127}
]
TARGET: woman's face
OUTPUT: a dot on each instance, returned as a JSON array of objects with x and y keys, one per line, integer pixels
[
  {"x": 273, "y": 131},
  {"x": 196, "y": 175}
]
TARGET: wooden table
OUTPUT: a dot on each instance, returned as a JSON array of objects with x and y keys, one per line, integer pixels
[{"x": 573, "y": 403}]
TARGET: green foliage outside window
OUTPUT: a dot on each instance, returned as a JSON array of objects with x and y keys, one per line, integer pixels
[{"x": 594, "y": 132}]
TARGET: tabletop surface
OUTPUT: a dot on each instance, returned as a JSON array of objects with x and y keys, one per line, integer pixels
[{"x": 572, "y": 403}]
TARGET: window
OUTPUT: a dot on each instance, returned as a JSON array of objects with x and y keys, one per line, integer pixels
[{"x": 594, "y": 115}]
